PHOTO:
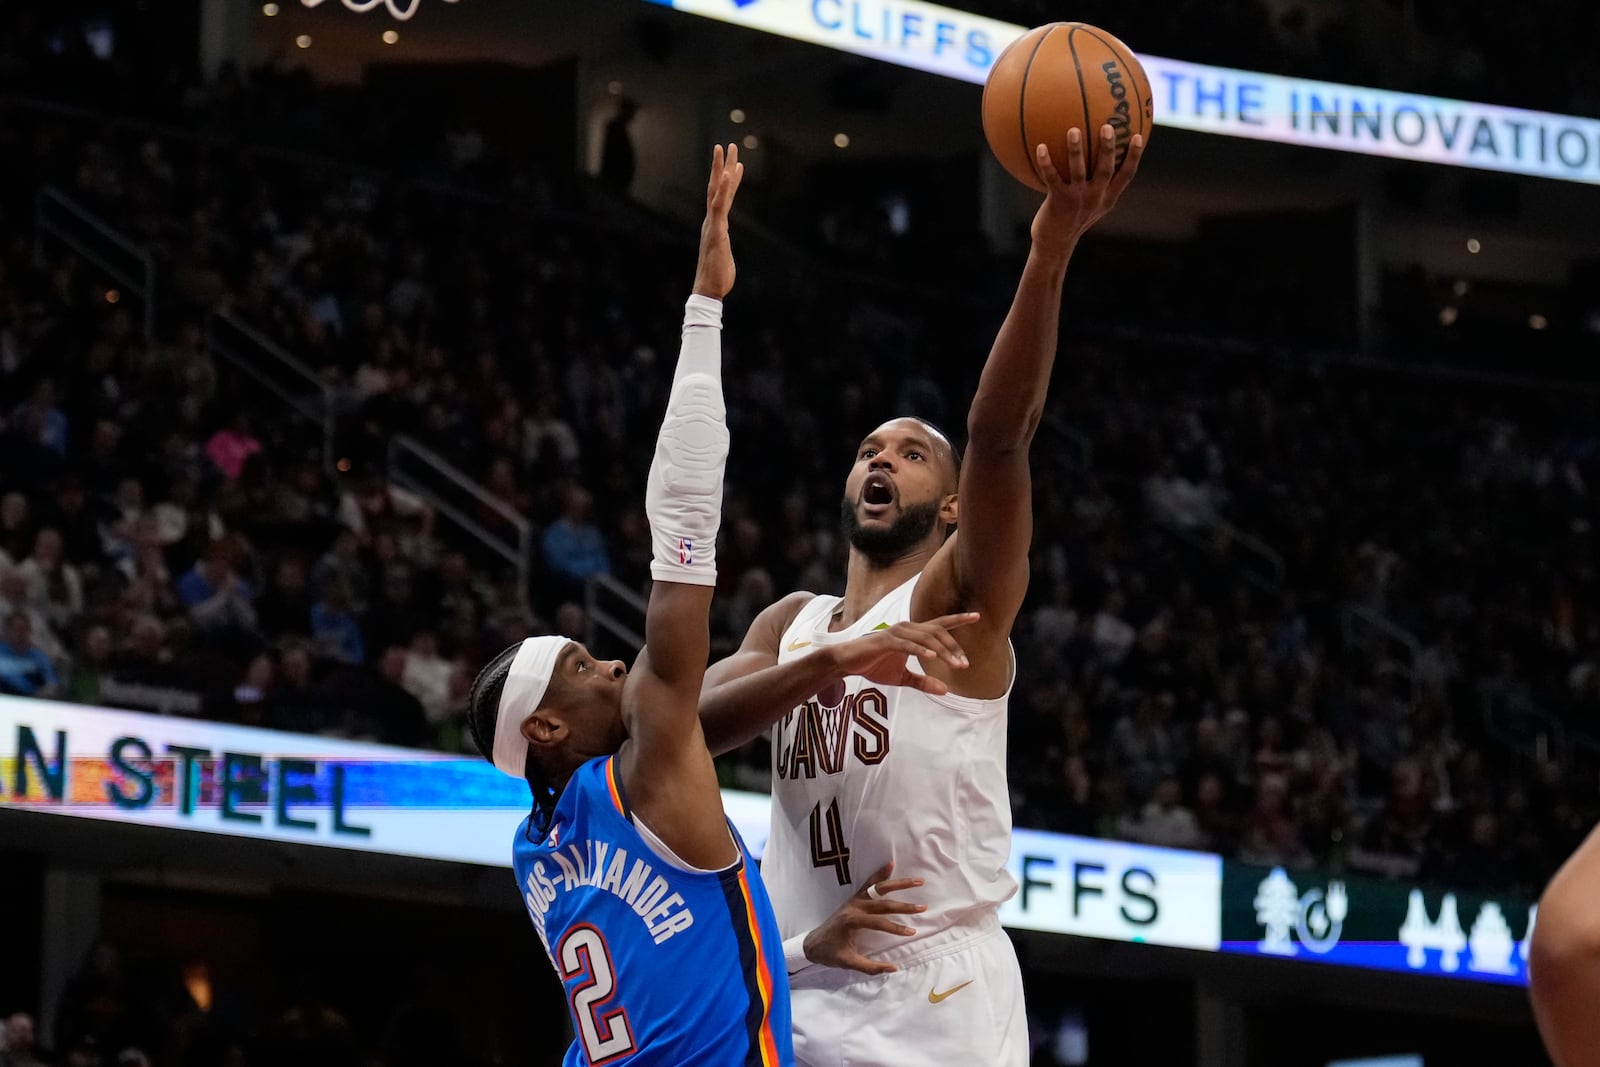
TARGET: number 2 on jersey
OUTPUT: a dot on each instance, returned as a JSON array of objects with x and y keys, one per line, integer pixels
[
  {"x": 837, "y": 853},
  {"x": 606, "y": 1037}
]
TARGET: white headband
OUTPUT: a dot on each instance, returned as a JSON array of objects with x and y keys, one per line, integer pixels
[{"x": 530, "y": 675}]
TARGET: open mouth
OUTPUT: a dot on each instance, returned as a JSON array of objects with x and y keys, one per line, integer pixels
[{"x": 878, "y": 492}]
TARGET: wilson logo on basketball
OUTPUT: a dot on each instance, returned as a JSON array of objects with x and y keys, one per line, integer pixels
[{"x": 1118, "y": 120}]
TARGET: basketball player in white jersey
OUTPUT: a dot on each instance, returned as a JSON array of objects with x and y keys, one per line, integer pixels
[
  {"x": 868, "y": 774},
  {"x": 1564, "y": 964}
]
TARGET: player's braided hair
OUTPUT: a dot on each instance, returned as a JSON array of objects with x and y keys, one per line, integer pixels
[{"x": 483, "y": 712}]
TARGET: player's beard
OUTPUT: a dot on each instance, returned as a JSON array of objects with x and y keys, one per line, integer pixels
[{"x": 885, "y": 545}]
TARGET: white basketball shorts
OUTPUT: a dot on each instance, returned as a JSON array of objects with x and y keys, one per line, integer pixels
[{"x": 956, "y": 999}]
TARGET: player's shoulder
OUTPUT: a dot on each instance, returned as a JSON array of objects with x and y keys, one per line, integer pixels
[
  {"x": 778, "y": 616},
  {"x": 790, "y": 607}
]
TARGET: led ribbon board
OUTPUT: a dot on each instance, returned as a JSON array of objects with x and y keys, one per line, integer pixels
[
  {"x": 1381, "y": 925},
  {"x": 1194, "y": 96},
  {"x": 184, "y": 774},
  {"x": 1114, "y": 890}
]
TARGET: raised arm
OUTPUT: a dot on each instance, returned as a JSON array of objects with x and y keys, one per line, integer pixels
[
  {"x": 665, "y": 765},
  {"x": 1564, "y": 969},
  {"x": 747, "y": 692},
  {"x": 984, "y": 567},
  {"x": 750, "y": 690}
]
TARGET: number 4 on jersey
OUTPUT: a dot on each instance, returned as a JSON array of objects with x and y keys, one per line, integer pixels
[{"x": 837, "y": 853}]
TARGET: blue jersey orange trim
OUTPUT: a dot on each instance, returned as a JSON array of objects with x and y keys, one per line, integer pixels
[
  {"x": 763, "y": 1050},
  {"x": 619, "y": 796}
]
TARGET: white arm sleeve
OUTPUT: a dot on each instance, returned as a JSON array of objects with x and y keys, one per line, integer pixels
[{"x": 683, "y": 497}]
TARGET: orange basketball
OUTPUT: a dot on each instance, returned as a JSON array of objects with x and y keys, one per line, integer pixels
[{"x": 1053, "y": 78}]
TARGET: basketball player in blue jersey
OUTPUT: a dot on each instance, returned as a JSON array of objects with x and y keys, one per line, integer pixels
[
  {"x": 1564, "y": 963},
  {"x": 868, "y": 774},
  {"x": 645, "y": 898}
]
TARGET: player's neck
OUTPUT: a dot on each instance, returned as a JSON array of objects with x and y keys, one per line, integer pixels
[{"x": 868, "y": 581}]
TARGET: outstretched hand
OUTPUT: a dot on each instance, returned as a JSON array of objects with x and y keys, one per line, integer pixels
[
  {"x": 833, "y": 944},
  {"x": 881, "y": 656},
  {"x": 714, "y": 274},
  {"x": 1077, "y": 201}
]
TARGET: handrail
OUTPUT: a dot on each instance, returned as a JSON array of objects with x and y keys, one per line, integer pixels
[
  {"x": 1380, "y": 624},
  {"x": 1548, "y": 735},
  {"x": 252, "y": 352},
  {"x": 1384, "y": 625},
  {"x": 1201, "y": 535},
  {"x": 295, "y": 157},
  {"x": 141, "y": 283},
  {"x": 1258, "y": 547},
  {"x": 599, "y": 617},
  {"x": 684, "y": 202},
  {"x": 517, "y": 551}
]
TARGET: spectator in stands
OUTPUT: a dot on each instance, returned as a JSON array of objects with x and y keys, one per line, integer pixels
[
  {"x": 427, "y": 675},
  {"x": 335, "y": 628},
  {"x": 21, "y": 1048},
  {"x": 1177, "y": 499},
  {"x": 574, "y": 548},
  {"x": 1166, "y": 822},
  {"x": 1142, "y": 744},
  {"x": 231, "y": 447},
  {"x": 572, "y": 619},
  {"x": 547, "y": 438},
  {"x": 1271, "y": 837},
  {"x": 79, "y": 525},
  {"x": 14, "y": 600},
  {"x": 1213, "y": 815},
  {"x": 372, "y": 502},
  {"x": 397, "y": 611},
  {"x": 218, "y": 599},
  {"x": 43, "y": 421},
  {"x": 1394, "y": 843},
  {"x": 285, "y": 608},
  {"x": 91, "y": 662},
  {"x": 396, "y": 715},
  {"x": 55, "y": 590},
  {"x": 341, "y": 565},
  {"x": 145, "y": 655},
  {"x": 120, "y": 533},
  {"x": 1112, "y": 634},
  {"x": 16, "y": 528},
  {"x": 616, "y": 148},
  {"x": 250, "y": 696},
  {"x": 754, "y": 592},
  {"x": 296, "y": 703},
  {"x": 460, "y": 595}
]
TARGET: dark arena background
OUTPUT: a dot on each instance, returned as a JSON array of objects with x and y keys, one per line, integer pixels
[{"x": 333, "y": 343}]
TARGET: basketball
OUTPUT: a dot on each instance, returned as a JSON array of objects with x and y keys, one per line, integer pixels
[{"x": 1056, "y": 77}]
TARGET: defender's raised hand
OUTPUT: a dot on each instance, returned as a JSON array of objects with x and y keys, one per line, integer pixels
[
  {"x": 881, "y": 655},
  {"x": 714, "y": 274},
  {"x": 1078, "y": 200}
]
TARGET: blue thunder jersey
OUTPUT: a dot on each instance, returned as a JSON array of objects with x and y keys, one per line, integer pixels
[{"x": 662, "y": 967}]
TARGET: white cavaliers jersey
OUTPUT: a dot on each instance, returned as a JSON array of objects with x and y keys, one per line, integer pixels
[{"x": 864, "y": 774}]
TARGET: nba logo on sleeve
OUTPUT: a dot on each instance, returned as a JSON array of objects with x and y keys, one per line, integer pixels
[{"x": 685, "y": 551}]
